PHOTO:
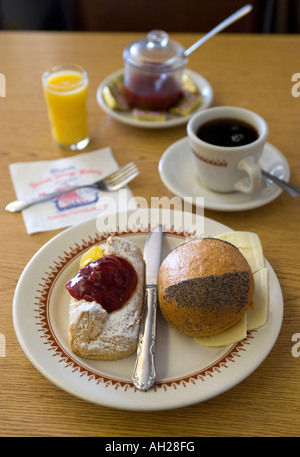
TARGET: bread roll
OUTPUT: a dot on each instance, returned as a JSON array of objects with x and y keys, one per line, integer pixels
[
  {"x": 95, "y": 333},
  {"x": 204, "y": 287}
]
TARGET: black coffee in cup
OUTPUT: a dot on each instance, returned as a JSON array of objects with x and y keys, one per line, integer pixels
[{"x": 227, "y": 132}]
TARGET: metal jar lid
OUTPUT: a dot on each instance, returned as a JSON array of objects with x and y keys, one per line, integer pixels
[{"x": 155, "y": 53}]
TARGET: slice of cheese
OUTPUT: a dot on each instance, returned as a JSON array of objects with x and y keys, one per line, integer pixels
[
  {"x": 241, "y": 239},
  {"x": 258, "y": 316},
  {"x": 230, "y": 336},
  {"x": 254, "y": 257},
  {"x": 250, "y": 246}
]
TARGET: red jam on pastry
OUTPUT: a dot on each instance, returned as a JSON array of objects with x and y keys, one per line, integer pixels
[{"x": 109, "y": 280}]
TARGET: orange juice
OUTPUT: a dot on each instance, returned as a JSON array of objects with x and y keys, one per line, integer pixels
[{"x": 65, "y": 90}]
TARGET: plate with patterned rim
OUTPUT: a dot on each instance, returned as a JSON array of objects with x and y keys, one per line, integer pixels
[{"x": 186, "y": 372}]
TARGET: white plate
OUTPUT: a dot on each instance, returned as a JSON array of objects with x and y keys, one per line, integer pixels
[
  {"x": 186, "y": 372},
  {"x": 177, "y": 171},
  {"x": 126, "y": 116}
]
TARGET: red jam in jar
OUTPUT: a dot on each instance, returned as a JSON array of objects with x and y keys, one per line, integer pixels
[
  {"x": 153, "y": 92},
  {"x": 153, "y": 69},
  {"x": 110, "y": 281}
]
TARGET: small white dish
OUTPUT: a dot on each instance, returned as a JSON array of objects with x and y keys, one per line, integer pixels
[
  {"x": 126, "y": 116},
  {"x": 178, "y": 173}
]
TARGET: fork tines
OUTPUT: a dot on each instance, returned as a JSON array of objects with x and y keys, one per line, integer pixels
[{"x": 122, "y": 175}]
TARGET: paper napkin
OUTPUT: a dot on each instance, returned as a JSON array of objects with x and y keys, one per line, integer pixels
[{"x": 36, "y": 178}]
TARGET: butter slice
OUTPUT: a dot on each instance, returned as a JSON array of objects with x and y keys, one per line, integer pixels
[{"x": 115, "y": 98}]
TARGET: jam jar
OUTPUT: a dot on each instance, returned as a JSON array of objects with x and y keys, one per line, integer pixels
[{"x": 153, "y": 69}]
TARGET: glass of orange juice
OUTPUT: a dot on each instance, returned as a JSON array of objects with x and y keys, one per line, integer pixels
[{"x": 65, "y": 89}]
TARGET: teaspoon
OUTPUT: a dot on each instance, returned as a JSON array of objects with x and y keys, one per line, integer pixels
[
  {"x": 289, "y": 188},
  {"x": 226, "y": 23},
  {"x": 218, "y": 28}
]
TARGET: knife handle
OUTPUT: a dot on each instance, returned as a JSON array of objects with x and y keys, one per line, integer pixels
[{"x": 144, "y": 373}]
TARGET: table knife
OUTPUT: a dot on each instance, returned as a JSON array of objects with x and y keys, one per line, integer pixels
[{"x": 144, "y": 373}]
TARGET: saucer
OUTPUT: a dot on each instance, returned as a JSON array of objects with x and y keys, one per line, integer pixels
[
  {"x": 177, "y": 172},
  {"x": 126, "y": 116}
]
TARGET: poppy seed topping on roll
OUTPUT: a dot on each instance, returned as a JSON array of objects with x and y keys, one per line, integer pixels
[{"x": 204, "y": 287}]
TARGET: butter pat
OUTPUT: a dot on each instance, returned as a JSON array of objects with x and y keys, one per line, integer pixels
[
  {"x": 188, "y": 85},
  {"x": 114, "y": 98},
  {"x": 155, "y": 116},
  {"x": 96, "y": 252},
  {"x": 187, "y": 105}
]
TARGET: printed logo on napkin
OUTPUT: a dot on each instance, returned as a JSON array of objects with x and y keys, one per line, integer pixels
[
  {"x": 62, "y": 177},
  {"x": 32, "y": 179}
]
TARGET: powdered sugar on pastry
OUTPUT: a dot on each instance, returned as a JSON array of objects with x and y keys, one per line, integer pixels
[{"x": 97, "y": 334}]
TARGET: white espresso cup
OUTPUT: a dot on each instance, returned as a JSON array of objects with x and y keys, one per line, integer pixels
[{"x": 228, "y": 168}]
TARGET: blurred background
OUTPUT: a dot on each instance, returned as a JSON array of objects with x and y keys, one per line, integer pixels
[{"x": 268, "y": 16}]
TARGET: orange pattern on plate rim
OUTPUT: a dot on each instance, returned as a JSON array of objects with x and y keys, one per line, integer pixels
[{"x": 46, "y": 331}]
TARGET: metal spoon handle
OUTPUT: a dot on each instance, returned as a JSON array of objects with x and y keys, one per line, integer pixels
[
  {"x": 226, "y": 23},
  {"x": 289, "y": 188}
]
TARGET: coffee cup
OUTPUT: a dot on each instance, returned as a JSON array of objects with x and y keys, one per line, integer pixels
[{"x": 227, "y": 143}]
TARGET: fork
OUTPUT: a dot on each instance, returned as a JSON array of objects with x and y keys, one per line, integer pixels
[{"x": 112, "y": 182}]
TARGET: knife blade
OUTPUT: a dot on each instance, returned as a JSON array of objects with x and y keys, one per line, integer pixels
[{"x": 144, "y": 373}]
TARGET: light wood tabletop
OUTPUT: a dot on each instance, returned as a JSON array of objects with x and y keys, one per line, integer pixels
[{"x": 250, "y": 71}]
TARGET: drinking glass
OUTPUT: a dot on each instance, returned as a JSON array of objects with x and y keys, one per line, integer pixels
[{"x": 65, "y": 89}]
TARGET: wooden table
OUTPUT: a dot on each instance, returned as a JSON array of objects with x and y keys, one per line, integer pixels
[{"x": 250, "y": 71}]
